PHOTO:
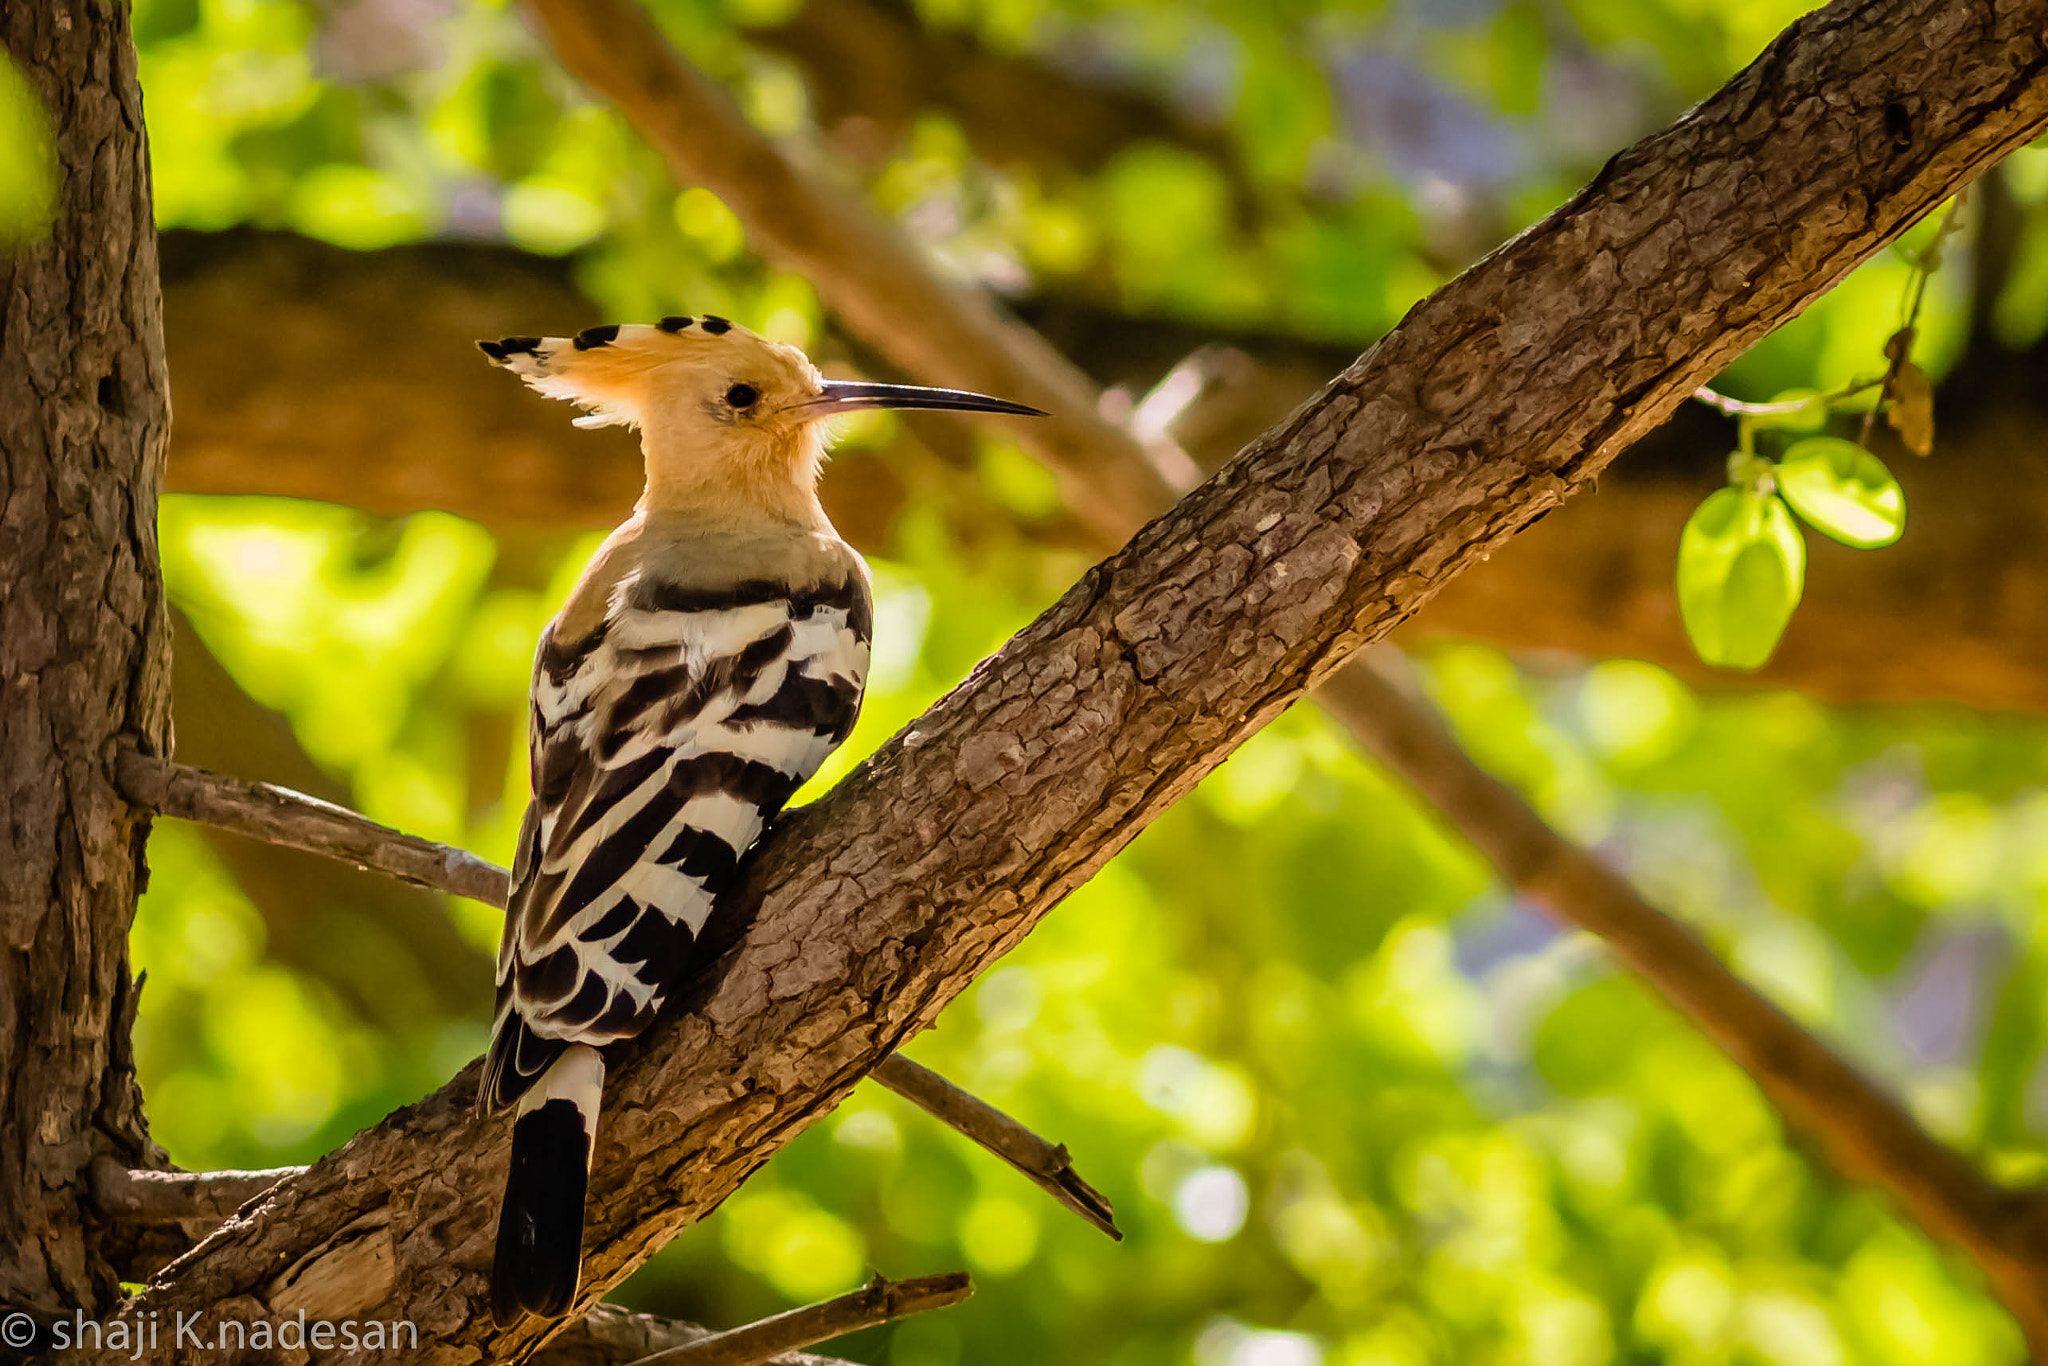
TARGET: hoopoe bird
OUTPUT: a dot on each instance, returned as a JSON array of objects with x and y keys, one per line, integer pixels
[{"x": 712, "y": 655}]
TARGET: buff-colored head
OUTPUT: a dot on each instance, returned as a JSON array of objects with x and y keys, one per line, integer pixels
[{"x": 729, "y": 421}]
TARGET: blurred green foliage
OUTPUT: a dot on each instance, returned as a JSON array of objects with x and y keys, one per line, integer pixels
[
  {"x": 28, "y": 179},
  {"x": 1356, "y": 1106}
]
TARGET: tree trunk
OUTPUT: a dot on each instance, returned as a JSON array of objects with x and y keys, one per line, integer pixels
[{"x": 84, "y": 416}]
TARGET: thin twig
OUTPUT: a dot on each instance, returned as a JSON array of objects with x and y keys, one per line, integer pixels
[
  {"x": 281, "y": 816},
  {"x": 1735, "y": 407},
  {"x": 1045, "y": 1164},
  {"x": 878, "y": 1301},
  {"x": 153, "y": 1197}
]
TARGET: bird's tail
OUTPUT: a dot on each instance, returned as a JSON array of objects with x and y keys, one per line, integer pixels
[{"x": 540, "y": 1224}]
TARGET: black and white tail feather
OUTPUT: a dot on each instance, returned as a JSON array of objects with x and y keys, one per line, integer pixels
[
  {"x": 701, "y": 672},
  {"x": 540, "y": 1223}
]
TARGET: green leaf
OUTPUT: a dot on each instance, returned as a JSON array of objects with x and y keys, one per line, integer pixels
[
  {"x": 1741, "y": 568},
  {"x": 1844, "y": 491}
]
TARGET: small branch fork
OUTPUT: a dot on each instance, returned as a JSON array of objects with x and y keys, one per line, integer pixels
[{"x": 266, "y": 812}]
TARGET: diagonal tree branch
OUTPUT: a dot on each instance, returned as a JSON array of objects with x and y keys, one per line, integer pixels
[
  {"x": 278, "y": 815},
  {"x": 815, "y": 229},
  {"x": 1867, "y": 1134},
  {"x": 1494, "y": 400}
]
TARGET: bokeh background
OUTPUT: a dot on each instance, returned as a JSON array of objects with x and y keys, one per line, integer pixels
[{"x": 1355, "y": 1105}]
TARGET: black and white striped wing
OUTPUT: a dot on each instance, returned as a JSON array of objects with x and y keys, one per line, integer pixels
[{"x": 662, "y": 745}]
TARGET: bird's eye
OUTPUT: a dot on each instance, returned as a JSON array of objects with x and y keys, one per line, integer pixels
[{"x": 742, "y": 396}]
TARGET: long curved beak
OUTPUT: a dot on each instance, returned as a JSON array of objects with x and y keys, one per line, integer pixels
[{"x": 850, "y": 396}]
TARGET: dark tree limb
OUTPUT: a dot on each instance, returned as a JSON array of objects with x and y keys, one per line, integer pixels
[{"x": 1494, "y": 400}]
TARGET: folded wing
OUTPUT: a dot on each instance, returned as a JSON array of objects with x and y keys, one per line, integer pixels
[{"x": 663, "y": 742}]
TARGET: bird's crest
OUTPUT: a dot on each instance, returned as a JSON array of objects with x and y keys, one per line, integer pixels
[{"x": 607, "y": 369}]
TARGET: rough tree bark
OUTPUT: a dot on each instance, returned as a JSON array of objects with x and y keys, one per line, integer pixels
[
  {"x": 1496, "y": 399},
  {"x": 83, "y": 649}
]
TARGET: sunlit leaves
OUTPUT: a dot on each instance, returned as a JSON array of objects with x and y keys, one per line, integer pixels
[
  {"x": 550, "y": 218},
  {"x": 28, "y": 167},
  {"x": 1844, "y": 491},
  {"x": 1741, "y": 569},
  {"x": 357, "y": 207}
]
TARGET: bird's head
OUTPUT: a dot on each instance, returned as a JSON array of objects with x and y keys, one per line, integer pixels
[{"x": 729, "y": 420}]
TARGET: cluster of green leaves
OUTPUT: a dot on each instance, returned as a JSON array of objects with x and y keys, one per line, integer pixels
[
  {"x": 1741, "y": 560},
  {"x": 1355, "y": 1107}
]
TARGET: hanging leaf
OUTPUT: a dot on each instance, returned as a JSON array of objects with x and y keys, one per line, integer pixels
[
  {"x": 1741, "y": 568},
  {"x": 1912, "y": 410},
  {"x": 1843, "y": 491}
]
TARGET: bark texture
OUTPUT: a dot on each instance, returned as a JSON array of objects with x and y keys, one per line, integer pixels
[
  {"x": 1494, "y": 400},
  {"x": 83, "y": 649}
]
